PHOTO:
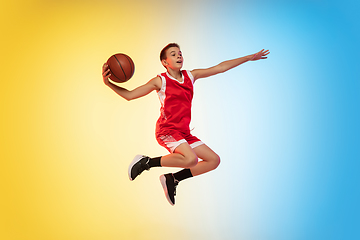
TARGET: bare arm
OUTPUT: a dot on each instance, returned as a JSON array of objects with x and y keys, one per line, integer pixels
[
  {"x": 227, "y": 65},
  {"x": 153, "y": 84}
]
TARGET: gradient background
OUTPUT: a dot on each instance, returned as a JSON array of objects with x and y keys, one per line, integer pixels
[{"x": 286, "y": 128}]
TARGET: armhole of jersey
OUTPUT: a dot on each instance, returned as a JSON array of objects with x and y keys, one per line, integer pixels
[{"x": 190, "y": 76}]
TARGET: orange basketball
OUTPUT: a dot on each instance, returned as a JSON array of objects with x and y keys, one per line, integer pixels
[{"x": 121, "y": 67}]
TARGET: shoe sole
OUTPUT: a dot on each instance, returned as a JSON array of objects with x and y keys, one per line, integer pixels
[
  {"x": 163, "y": 183},
  {"x": 133, "y": 162}
]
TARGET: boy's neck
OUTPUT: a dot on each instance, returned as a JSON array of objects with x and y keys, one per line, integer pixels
[{"x": 175, "y": 73}]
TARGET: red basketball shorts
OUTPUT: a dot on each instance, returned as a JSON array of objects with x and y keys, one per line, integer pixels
[{"x": 172, "y": 139}]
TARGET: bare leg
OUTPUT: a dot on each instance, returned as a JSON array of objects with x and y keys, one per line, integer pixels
[
  {"x": 183, "y": 157},
  {"x": 210, "y": 160}
]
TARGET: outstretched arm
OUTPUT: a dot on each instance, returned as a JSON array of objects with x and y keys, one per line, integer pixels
[
  {"x": 227, "y": 65},
  {"x": 153, "y": 84}
]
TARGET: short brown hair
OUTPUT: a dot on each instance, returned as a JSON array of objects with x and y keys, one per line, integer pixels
[{"x": 163, "y": 51}]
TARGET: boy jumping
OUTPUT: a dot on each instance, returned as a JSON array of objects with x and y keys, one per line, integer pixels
[{"x": 175, "y": 91}]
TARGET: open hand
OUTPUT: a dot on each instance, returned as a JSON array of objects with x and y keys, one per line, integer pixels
[{"x": 260, "y": 55}]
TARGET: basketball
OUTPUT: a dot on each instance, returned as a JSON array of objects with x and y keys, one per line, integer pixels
[{"x": 121, "y": 67}]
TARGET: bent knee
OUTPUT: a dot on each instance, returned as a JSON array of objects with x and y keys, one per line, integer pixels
[
  {"x": 191, "y": 161},
  {"x": 215, "y": 161}
]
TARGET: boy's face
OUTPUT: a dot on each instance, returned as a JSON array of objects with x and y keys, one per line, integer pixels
[{"x": 174, "y": 59}]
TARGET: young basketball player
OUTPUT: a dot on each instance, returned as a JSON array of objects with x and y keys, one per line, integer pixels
[{"x": 175, "y": 91}]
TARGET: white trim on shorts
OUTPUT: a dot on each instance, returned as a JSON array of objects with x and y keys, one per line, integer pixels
[
  {"x": 196, "y": 144},
  {"x": 173, "y": 145}
]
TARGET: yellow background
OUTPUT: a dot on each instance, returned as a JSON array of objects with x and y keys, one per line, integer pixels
[{"x": 66, "y": 139}]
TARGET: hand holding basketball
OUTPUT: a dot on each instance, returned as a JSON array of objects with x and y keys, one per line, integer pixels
[{"x": 106, "y": 73}]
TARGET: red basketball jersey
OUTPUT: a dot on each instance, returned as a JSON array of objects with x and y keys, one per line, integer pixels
[{"x": 175, "y": 98}]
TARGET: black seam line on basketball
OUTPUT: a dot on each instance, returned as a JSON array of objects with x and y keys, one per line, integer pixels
[
  {"x": 131, "y": 65},
  {"x": 121, "y": 67},
  {"x": 115, "y": 76}
]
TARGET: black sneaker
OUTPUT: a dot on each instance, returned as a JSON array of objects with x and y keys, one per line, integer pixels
[
  {"x": 137, "y": 166},
  {"x": 169, "y": 184}
]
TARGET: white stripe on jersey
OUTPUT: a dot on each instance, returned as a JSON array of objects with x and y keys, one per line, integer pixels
[{"x": 161, "y": 93}]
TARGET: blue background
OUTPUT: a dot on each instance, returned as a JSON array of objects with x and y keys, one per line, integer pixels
[{"x": 287, "y": 128}]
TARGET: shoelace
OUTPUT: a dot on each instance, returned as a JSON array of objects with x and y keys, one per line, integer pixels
[{"x": 144, "y": 166}]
